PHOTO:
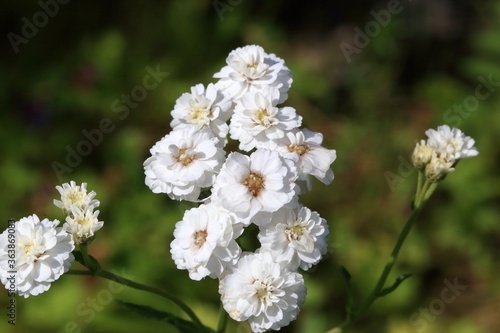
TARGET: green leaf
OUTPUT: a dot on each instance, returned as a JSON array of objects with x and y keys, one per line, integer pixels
[
  {"x": 93, "y": 261},
  {"x": 184, "y": 326},
  {"x": 390, "y": 289},
  {"x": 345, "y": 274},
  {"x": 350, "y": 295}
]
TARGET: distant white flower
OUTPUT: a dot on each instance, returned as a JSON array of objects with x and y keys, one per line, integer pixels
[
  {"x": 249, "y": 68},
  {"x": 258, "y": 123},
  {"x": 205, "y": 243},
  {"x": 75, "y": 195},
  {"x": 296, "y": 237},
  {"x": 262, "y": 181},
  {"x": 262, "y": 292},
  {"x": 304, "y": 148},
  {"x": 203, "y": 108},
  {"x": 451, "y": 144},
  {"x": 42, "y": 255},
  {"x": 82, "y": 224},
  {"x": 183, "y": 162}
]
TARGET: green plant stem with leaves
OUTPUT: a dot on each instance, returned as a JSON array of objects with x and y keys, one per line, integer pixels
[
  {"x": 94, "y": 269},
  {"x": 425, "y": 188}
]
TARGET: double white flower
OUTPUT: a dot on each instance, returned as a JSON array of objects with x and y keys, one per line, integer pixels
[
  {"x": 73, "y": 195},
  {"x": 203, "y": 108},
  {"x": 296, "y": 237},
  {"x": 42, "y": 255},
  {"x": 263, "y": 292},
  {"x": 82, "y": 224},
  {"x": 304, "y": 148},
  {"x": 183, "y": 162},
  {"x": 451, "y": 144},
  {"x": 261, "y": 182},
  {"x": 205, "y": 243},
  {"x": 250, "y": 69},
  {"x": 258, "y": 123}
]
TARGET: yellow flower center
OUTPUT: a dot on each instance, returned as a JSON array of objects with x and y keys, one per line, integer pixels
[
  {"x": 200, "y": 237},
  {"x": 254, "y": 182},
  {"x": 294, "y": 232},
  {"x": 298, "y": 149},
  {"x": 76, "y": 196},
  {"x": 199, "y": 113},
  {"x": 30, "y": 250},
  {"x": 185, "y": 157},
  {"x": 263, "y": 118},
  {"x": 264, "y": 292}
]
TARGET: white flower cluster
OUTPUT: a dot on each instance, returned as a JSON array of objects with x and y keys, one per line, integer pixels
[
  {"x": 259, "y": 185},
  {"x": 442, "y": 151},
  {"x": 35, "y": 253},
  {"x": 78, "y": 205}
]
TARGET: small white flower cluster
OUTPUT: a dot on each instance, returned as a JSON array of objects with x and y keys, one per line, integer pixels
[
  {"x": 78, "y": 205},
  {"x": 441, "y": 152},
  {"x": 35, "y": 253},
  {"x": 259, "y": 185}
]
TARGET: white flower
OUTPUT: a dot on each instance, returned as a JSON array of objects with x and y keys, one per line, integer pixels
[
  {"x": 203, "y": 108},
  {"x": 262, "y": 292},
  {"x": 82, "y": 224},
  {"x": 451, "y": 144},
  {"x": 74, "y": 195},
  {"x": 249, "y": 68},
  {"x": 296, "y": 237},
  {"x": 42, "y": 255},
  {"x": 304, "y": 148},
  {"x": 257, "y": 122},
  {"x": 205, "y": 243},
  {"x": 183, "y": 162},
  {"x": 262, "y": 181}
]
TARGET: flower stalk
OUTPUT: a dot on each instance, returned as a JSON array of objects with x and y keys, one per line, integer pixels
[
  {"x": 423, "y": 193},
  {"x": 139, "y": 286}
]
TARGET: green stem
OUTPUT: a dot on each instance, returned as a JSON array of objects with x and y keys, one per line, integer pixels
[
  {"x": 86, "y": 259},
  {"x": 424, "y": 190},
  {"x": 139, "y": 286},
  {"x": 387, "y": 269},
  {"x": 420, "y": 183},
  {"x": 221, "y": 328}
]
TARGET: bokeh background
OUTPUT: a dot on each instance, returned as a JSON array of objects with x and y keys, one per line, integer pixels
[{"x": 416, "y": 71}]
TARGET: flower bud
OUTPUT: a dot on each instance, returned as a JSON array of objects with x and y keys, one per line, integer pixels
[
  {"x": 422, "y": 155},
  {"x": 438, "y": 168}
]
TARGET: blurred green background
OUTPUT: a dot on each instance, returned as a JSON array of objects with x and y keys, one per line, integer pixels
[{"x": 421, "y": 68}]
